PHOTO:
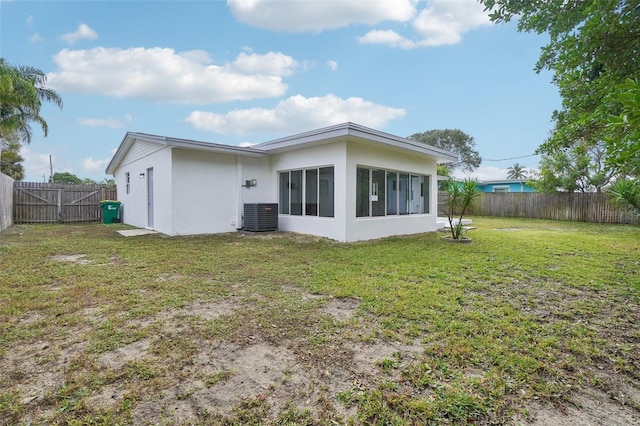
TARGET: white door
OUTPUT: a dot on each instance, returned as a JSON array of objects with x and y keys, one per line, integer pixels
[{"x": 150, "y": 198}]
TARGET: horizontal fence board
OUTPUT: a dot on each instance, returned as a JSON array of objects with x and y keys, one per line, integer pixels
[
  {"x": 579, "y": 207},
  {"x": 36, "y": 202}
]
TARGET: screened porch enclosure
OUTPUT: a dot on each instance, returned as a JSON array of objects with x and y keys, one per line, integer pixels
[
  {"x": 388, "y": 193},
  {"x": 308, "y": 192}
]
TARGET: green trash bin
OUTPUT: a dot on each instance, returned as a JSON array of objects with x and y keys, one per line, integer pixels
[{"x": 110, "y": 211}]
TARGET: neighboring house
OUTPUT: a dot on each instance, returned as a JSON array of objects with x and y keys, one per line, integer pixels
[
  {"x": 513, "y": 185},
  {"x": 345, "y": 182}
]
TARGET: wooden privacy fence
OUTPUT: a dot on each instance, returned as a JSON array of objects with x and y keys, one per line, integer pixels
[
  {"x": 588, "y": 207},
  {"x": 51, "y": 202},
  {"x": 6, "y": 201}
]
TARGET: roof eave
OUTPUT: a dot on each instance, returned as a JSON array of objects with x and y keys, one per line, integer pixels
[
  {"x": 131, "y": 137},
  {"x": 352, "y": 130}
]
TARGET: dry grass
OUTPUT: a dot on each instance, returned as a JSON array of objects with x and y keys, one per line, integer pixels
[{"x": 534, "y": 321}]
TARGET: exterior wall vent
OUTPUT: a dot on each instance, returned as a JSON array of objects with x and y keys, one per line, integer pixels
[{"x": 260, "y": 217}]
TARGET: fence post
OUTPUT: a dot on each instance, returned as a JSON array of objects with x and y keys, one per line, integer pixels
[
  {"x": 75, "y": 203},
  {"x": 60, "y": 218},
  {"x": 588, "y": 207}
]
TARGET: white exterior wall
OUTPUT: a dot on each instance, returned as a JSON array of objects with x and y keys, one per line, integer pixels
[
  {"x": 265, "y": 190},
  {"x": 141, "y": 156},
  {"x": 198, "y": 192},
  {"x": 319, "y": 156},
  {"x": 208, "y": 193},
  {"x": 365, "y": 228}
]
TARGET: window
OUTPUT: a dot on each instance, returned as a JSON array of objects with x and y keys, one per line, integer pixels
[
  {"x": 296, "y": 192},
  {"x": 502, "y": 188},
  {"x": 311, "y": 192},
  {"x": 378, "y": 185},
  {"x": 425, "y": 189},
  {"x": 392, "y": 191},
  {"x": 314, "y": 186},
  {"x": 284, "y": 193},
  {"x": 362, "y": 193},
  {"x": 387, "y": 193},
  {"x": 326, "y": 186},
  {"x": 127, "y": 178}
]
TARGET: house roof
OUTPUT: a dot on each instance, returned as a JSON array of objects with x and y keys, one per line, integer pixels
[
  {"x": 358, "y": 133},
  {"x": 350, "y": 131},
  {"x": 502, "y": 182},
  {"x": 131, "y": 137}
]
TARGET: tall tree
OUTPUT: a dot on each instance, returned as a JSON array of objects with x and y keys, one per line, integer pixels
[
  {"x": 626, "y": 139},
  {"x": 22, "y": 92},
  {"x": 66, "y": 177},
  {"x": 517, "y": 171},
  {"x": 10, "y": 161},
  {"x": 593, "y": 48},
  {"x": 576, "y": 169},
  {"x": 453, "y": 140}
]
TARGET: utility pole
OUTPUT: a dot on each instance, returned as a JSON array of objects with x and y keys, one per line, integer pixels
[{"x": 50, "y": 169}]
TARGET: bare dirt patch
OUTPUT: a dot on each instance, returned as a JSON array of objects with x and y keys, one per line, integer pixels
[
  {"x": 78, "y": 259},
  {"x": 209, "y": 310},
  {"x": 342, "y": 308},
  {"x": 118, "y": 357},
  {"x": 587, "y": 408},
  {"x": 367, "y": 357},
  {"x": 38, "y": 369}
]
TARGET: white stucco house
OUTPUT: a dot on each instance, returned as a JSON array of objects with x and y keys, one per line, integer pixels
[{"x": 345, "y": 182}]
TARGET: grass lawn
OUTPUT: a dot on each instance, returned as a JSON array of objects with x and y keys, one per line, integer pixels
[{"x": 535, "y": 321}]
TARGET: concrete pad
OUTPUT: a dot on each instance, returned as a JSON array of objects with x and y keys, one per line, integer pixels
[
  {"x": 136, "y": 232},
  {"x": 443, "y": 222}
]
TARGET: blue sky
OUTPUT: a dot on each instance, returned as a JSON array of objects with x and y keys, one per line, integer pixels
[{"x": 247, "y": 71}]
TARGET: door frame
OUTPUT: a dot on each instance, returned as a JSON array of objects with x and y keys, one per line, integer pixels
[{"x": 150, "y": 201}]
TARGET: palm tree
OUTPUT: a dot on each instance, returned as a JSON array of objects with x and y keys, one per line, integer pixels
[
  {"x": 517, "y": 171},
  {"x": 22, "y": 91},
  {"x": 626, "y": 194},
  {"x": 460, "y": 198}
]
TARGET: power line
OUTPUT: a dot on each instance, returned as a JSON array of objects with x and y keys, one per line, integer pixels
[
  {"x": 36, "y": 170},
  {"x": 511, "y": 158}
]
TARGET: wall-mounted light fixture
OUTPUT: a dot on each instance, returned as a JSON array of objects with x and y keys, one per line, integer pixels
[
  {"x": 141, "y": 175},
  {"x": 250, "y": 182}
]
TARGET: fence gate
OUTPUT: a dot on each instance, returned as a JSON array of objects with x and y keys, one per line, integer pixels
[{"x": 49, "y": 202}]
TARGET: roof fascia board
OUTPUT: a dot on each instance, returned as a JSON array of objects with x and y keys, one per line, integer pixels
[
  {"x": 131, "y": 137},
  {"x": 350, "y": 131},
  {"x": 505, "y": 181}
]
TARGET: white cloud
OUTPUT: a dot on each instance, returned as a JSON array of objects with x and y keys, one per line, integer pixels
[
  {"x": 388, "y": 37},
  {"x": 300, "y": 16},
  {"x": 110, "y": 122},
  {"x": 275, "y": 64},
  {"x": 439, "y": 23},
  {"x": 84, "y": 32},
  {"x": 90, "y": 164},
  {"x": 333, "y": 65},
  {"x": 35, "y": 38},
  {"x": 164, "y": 75},
  {"x": 296, "y": 113},
  {"x": 444, "y": 22}
]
